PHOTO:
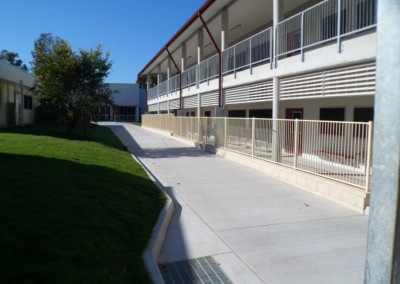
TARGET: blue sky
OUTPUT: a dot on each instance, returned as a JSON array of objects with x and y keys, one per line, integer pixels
[{"x": 132, "y": 30}]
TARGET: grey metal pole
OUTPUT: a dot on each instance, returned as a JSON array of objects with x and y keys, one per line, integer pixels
[{"x": 383, "y": 250}]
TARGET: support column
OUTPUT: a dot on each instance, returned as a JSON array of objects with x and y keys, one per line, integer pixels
[
  {"x": 198, "y": 105},
  {"x": 224, "y": 29},
  {"x": 158, "y": 108},
  {"x": 276, "y": 147},
  {"x": 183, "y": 58},
  {"x": 383, "y": 249},
  {"x": 147, "y": 91},
  {"x": 168, "y": 107},
  {"x": 277, "y": 17},
  {"x": 159, "y": 78},
  {"x": 169, "y": 68},
  {"x": 200, "y": 45}
]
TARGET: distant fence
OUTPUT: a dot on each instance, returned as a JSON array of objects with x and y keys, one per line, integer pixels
[
  {"x": 115, "y": 117},
  {"x": 336, "y": 150}
]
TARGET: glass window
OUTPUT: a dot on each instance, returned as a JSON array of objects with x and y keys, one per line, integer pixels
[
  {"x": 332, "y": 114},
  {"x": 363, "y": 114},
  {"x": 27, "y": 102},
  {"x": 260, "y": 113},
  {"x": 237, "y": 113}
]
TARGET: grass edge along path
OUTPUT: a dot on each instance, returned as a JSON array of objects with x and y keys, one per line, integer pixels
[{"x": 73, "y": 209}]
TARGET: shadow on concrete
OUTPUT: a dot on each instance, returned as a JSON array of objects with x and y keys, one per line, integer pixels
[
  {"x": 175, "y": 264},
  {"x": 156, "y": 153}
]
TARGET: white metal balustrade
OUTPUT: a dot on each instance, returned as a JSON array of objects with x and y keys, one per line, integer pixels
[
  {"x": 189, "y": 76},
  {"x": 336, "y": 150},
  {"x": 249, "y": 52},
  {"x": 208, "y": 69},
  {"x": 325, "y": 22},
  {"x": 165, "y": 88},
  {"x": 174, "y": 84}
]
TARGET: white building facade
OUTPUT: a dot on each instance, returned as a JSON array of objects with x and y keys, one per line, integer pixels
[
  {"x": 301, "y": 72},
  {"x": 17, "y": 103},
  {"x": 270, "y": 59},
  {"x": 129, "y": 104}
]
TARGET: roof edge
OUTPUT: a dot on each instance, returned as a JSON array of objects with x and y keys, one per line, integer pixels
[{"x": 204, "y": 7}]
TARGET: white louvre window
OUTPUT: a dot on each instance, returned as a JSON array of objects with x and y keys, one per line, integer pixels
[
  {"x": 164, "y": 106},
  {"x": 174, "y": 104},
  {"x": 209, "y": 99},
  {"x": 190, "y": 102},
  {"x": 153, "y": 107},
  {"x": 349, "y": 81},
  {"x": 258, "y": 92}
]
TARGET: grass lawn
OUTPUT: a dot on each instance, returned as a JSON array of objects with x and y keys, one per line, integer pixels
[
  {"x": 136, "y": 123},
  {"x": 73, "y": 209}
]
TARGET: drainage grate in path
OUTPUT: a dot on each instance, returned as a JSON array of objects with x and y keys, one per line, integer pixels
[{"x": 204, "y": 270}]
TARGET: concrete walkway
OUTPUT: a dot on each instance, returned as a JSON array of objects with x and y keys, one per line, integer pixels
[{"x": 258, "y": 229}]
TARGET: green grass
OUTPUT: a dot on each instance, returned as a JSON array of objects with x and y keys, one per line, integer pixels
[
  {"x": 136, "y": 123},
  {"x": 73, "y": 209}
]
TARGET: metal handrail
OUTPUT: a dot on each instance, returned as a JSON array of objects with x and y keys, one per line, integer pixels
[
  {"x": 326, "y": 21},
  {"x": 306, "y": 33},
  {"x": 337, "y": 150}
]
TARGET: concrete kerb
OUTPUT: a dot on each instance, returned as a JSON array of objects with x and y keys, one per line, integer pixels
[{"x": 152, "y": 251}]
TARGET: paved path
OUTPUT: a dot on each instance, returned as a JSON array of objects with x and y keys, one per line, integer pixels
[{"x": 260, "y": 230}]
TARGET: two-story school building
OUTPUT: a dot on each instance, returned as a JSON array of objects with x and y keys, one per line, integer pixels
[
  {"x": 277, "y": 60},
  {"x": 270, "y": 59}
]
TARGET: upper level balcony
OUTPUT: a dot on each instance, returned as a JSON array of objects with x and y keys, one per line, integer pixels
[{"x": 325, "y": 23}]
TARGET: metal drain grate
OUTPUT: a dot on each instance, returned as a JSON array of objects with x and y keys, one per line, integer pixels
[{"x": 204, "y": 270}]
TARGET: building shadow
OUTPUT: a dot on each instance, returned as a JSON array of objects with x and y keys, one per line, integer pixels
[
  {"x": 159, "y": 152},
  {"x": 67, "y": 220},
  {"x": 176, "y": 263}
]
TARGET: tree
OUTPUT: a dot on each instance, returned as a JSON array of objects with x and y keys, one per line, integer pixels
[
  {"x": 72, "y": 82},
  {"x": 11, "y": 57},
  {"x": 142, "y": 81}
]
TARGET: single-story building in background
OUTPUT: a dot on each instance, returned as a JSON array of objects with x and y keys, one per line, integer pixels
[
  {"x": 129, "y": 104},
  {"x": 17, "y": 104}
]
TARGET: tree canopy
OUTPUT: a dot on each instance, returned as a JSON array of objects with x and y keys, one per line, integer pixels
[
  {"x": 12, "y": 58},
  {"x": 142, "y": 81},
  {"x": 71, "y": 81}
]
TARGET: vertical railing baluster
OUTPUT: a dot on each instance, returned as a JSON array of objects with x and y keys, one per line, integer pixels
[
  {"x": 197, "y": 75},
  {"x": 270, "y": 49},
  {"x": 251, "y": 59},
  {"x": 339, "y": 8},
  {"x": 234, "y": 60},
  {"x": 369, "y": 156},
  {"x": 253, "y": 136},
  {"x": 226, "y": 132},
  {"x": 302, "y": 37},
  {"x": 296, "y": 142},
  {"x": 276, "y": 45}
]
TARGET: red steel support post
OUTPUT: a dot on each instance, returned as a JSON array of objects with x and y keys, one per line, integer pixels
[
  {"x": 220, "y": 60},
  {"x": 180, "y": 77}
]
